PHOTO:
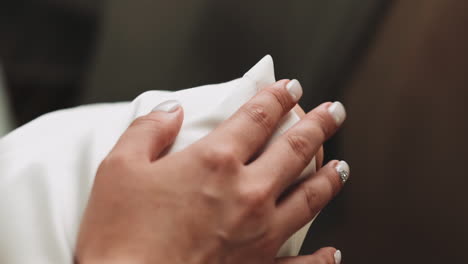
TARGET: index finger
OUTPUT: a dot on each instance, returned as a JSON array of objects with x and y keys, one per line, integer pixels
[{"x": 251, "y": 126}]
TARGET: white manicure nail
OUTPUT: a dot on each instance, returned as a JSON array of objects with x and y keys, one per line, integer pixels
[
  {"x": 167, "y": 106},
  {"x": 343, "y": 170},
  {"x": 337, "y": 257},
  {"x": 294, "y": 88},
  {"x": 338, "y": 112}
]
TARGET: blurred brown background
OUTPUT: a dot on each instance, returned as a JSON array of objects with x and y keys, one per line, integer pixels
[{"x": 400, "y": 67}]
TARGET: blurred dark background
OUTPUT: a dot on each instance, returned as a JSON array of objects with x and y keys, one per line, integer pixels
[
  {"x": 46, "y": 49},
  {"x": 400, "y": 67}
]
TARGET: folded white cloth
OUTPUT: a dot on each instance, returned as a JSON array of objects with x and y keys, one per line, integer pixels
[{"x": 47, "y": 167}]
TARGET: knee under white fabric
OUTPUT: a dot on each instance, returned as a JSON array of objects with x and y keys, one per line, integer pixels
[{"x": 47, "y": 167}]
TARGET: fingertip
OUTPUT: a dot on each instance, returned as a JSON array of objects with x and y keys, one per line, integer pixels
[
  {"x": 325, "y": 105},
  {"x": 332, "y": 164},
  {"x": 292, "y": 87},
  {"x": 328, "y": 250},
  {"x": 331, "y": 253},
  {"x": 285, "y": 81},
  {"x": 337, "y": 256},
  {"x": 326, "y": 120},
  {"x": 338, "y": 112},
  {"x": 295, "y": 89},
  {"x": 328, "y": 255},
  {"x": 331, "y": 175},
  {"x": 169, "y": 106},
  {"x": 149, "y": 135},
  {"x": 343, "y": 170},
  {"x": 171, "y": 109},
  {"x": 323, "y": 255}
]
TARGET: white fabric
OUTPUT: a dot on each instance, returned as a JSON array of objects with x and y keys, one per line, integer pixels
[{"x": 47, "y": 167}]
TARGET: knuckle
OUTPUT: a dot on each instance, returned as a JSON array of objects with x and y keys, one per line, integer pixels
[
  {"x": 281, "y": 97},
  {"x": 254, "y": 198},
  {"x": 252, "y": 203},
  {"x": 312, "y": 199},
  {"x": 258, "y": 114},
  {"x": 300, "y": 146},
  {"x": 116, "y": 160},
  {"x": 219, "y": 159}
]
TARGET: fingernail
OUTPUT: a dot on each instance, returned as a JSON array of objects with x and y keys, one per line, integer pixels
[
  {"x": 338, "y": 112},
  {"x": 294, "y": 88},
  {"x": 337, "y": 257},
  {"x": 343, "y": 171},
  {"x": 167, "y": 106}
]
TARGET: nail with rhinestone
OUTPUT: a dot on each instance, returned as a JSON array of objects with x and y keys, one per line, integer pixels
[{"x": 343, "y": 171}]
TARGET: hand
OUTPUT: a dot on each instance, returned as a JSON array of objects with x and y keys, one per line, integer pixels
[{"x": 211, "y": 203}]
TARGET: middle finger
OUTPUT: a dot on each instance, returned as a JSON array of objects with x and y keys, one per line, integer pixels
[
  {"x": 289, "y": 155},
  {"x": 251, "y": 126}
]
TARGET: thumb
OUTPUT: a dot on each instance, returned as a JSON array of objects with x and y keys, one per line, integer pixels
[
  {"x": 148, "y": 136},
  {"x": 327, "y": 255}
]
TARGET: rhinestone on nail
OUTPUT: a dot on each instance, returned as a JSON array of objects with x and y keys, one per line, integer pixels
[{"x": 344, "y": 175}]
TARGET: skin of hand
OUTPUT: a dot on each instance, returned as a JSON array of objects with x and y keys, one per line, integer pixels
[
  {"x": 210, "y": 203},
  {"x": 320, "y": 154}
]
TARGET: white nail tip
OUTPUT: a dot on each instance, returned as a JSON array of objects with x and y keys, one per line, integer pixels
[
  {"x": 294, "y": 88},
  {"x": 167, "y": 106},
  {"x": 343, "y": 171},
  {"x": 337, "y": 110},
  {"x": 337, "y": 256}
]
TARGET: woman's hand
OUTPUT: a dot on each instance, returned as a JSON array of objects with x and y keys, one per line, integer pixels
[{"x": 211, "y": 203}]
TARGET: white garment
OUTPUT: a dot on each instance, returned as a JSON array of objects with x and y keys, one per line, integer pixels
[{"x": 47, "y": 167}]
